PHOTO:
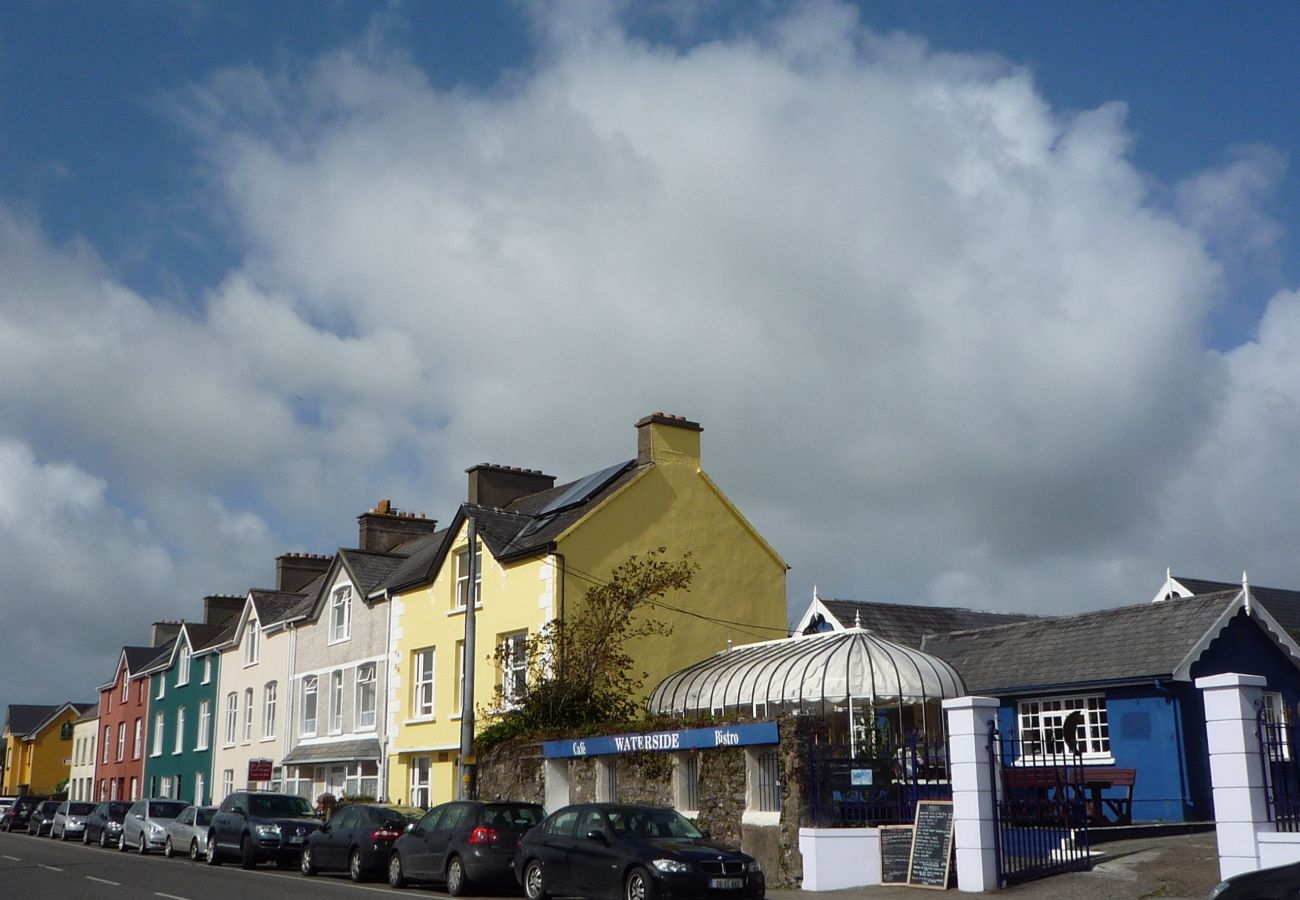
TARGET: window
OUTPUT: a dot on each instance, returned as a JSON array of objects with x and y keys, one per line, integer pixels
[
  {"x": 205, "y": 725},
  {"x": 462, "y": 575},
  {"x": 366, "y": 697},
  {"x": 198, "y": 789},
  {"x": 268, "y": 709},
  {"x": 514, "y": 666},
  {"x": 422, "y": 693},
  {"x": 362, "y": 780},
  {"x": 207, "y": 669},
  {"x": 1042, "y": 729},
  {"x": 166, "y": 790},
  {"x": 141, "y": 689},
  {"x": 232, "y": 717},
  {"x": 336, "y": 702},
  {"x": 250, "y": 642},
  {"x": 309, "y": 706},
  {"x": 135, "y": 790},
  {"x": 157, "y": 735},
  {"x": 162, "y": 685},
  {"x": 126, "y": 687},
  {"x": 763, "y": 774},
  {"x": 137, "y": 745},
  {"x": 183, "y": 666},
  {"x": 607, "y": 779},
  {"x": 341, "y": 614},
  {"x": 420, "y": 781},
  {"x": 180, "y": 731},
  {"x": 108, "y": 741},
  {"x": 227, "y": 783},
  {"x": 686, "y": 783},
  {"x": 248, "y": 715},
  {"x": 1277, "y": 727}
]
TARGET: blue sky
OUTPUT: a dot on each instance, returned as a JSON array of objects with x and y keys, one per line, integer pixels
[{"x": 984, "y": 304}]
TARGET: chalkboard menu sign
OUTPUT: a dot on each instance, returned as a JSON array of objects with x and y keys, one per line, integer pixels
[
  {"x": 895, "y": 853},
  {"x": 931, "y": 845}
]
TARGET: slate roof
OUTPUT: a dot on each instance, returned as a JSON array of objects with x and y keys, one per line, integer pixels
[
  {"x": 522, "y": 528},
  {"x": 22, "y": 718},
  {"x": 55, "y": 711},
  {"x": 1128, "y": 643},
  {"x": 369, "y": 568},
  {"x": 204, "y": 636},
  {"x": 1282, "y": 604},
  {"x": 907, "y": 624},
  {"x": 335, "y": 751},
  {"x": 280, "y": 606},
  {"x": 140, "y": 658}
]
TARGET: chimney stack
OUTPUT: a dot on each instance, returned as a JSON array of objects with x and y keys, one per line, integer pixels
[
  {"x": 294, "y": 571},
  {"x": 663, "y": 438},
  {"x": 162, "y": 632},
  {"x": 218, "y": 609},
  {"x": 496, "y": 486},
  {"x": 384, "y": 527}
]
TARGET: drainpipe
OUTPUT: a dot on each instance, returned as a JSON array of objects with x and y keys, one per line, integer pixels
[
  {"x": 382, "y": 792},
  {"x": 465, "y": 786}
]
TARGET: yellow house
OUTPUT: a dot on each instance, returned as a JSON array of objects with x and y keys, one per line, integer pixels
[
  {"x": 540, "y": 547},
  {"x": 38, "y": 746}
]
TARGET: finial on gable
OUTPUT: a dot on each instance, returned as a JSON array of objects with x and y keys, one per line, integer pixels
[
  {"x": 857, "y": 618},
  {"x": 1245, "y": 590}
]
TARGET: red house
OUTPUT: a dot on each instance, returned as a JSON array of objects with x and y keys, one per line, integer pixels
[{"x": 123, "y": 722}]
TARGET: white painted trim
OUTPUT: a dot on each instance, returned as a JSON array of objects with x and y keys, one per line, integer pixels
[
  {"x": 344, "y": 666},
  {"x": 816, "y": 606},
  {"x": 1275, "y": 631}
]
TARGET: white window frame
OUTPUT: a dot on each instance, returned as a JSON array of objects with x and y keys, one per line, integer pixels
[
  {"x": 310, "y": 690},
  {"x": 198, "y": 788},
  {"x": 252, "y": 652},
  {"x": 248, "y": 715},
  {"x": 183, "y": 665},
  {"x": 422, "y": 688},
  {"x": 159, "y": 725},
  {"x": 462, "y": 575},
  {"x": 227, "y": 783},
  {"x": 367, "y": 697},
  {"x": 162, "y": 685},
  {"x": 269, "y": 691},
  {"x": 232, "y": 718},
  {"x": 514, "y": 667},
  {"x": 1277, "y": 719},
  {"x": 179, "y": 745},
  {"x": 207, "y": 669},
  {"x": 1039, "y": 723},
  {"x": 336, "y": 702},
  {"x": 205, "y": 725},
  {"x": 421, "y": 780},
  {"x": 341, "y": 614},
  {"x": 108, "y": 743},
  {"x": 126, "y": 687},
  {"x": 137, "y": 745}
]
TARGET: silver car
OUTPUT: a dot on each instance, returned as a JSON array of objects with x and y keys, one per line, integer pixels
[
  {"x": 145, "y": 825},
  {"x": 70, "y": 819},
  {"x": 188, "y": 832}
]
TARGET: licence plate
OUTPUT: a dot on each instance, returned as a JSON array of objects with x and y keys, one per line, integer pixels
[
  {"x": 727, "y": 884},
  {"x": 295, "y": 839}
]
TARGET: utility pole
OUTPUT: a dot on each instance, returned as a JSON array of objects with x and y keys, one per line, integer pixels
[{"x": 465, "y": 788}]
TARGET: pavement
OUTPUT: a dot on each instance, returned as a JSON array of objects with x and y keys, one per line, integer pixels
[{"x": 1173, "y": 867}]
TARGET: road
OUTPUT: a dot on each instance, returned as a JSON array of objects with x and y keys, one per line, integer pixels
[{"x": 40, "y": 867}]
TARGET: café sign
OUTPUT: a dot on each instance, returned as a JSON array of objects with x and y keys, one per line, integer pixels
[{"x": 665, "y": 741}]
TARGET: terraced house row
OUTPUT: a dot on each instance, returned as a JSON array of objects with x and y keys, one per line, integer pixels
[{"x": 348, "y": 676}]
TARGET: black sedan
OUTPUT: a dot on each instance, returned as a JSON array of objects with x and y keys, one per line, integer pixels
[
  {"x": 358, "y": 838},
  {"x": 463, "y": 843},
  {"x": 19, "y": 814},
  {"x": 42, "y": 820},
  {"x": 104, "y": 825},
  {"x": 609, "y": 850},
  {"x": 1262, "y": 884}
]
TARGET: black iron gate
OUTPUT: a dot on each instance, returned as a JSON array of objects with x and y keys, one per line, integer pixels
[
  {"x": 1040, "y": 810},
  {"x": 874, "y": 788}
]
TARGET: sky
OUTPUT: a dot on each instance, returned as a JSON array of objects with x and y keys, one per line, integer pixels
[{"x": 993, "y": 305}]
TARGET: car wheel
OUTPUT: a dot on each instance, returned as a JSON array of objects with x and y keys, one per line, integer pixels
[
  {"x": 121, "y": 841},
  {"x": 457, "y": 881},
  {"x": 307, "y": 864},
  {"x": 637, "y": 885},
  {"x": 143, "y": 848},
  {"x": 356, "y": 871},
  {"x": 213, "y": 857},
  {"x": 103, "y": 839},
  {"x": 168, "y": 850},
  {"x": 534, "y": 881},
  {"x": 85, "y": 837},
  {"x": 194, "y": 849},
  {"x": 395, "y": 876},
  {"x": 247, "y": 853}
]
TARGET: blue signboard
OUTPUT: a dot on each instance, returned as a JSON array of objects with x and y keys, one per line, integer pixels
[{"x": 690, "y": 739}]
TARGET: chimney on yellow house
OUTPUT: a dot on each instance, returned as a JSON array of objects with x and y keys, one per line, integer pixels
[{"x": 666, "y": 440}]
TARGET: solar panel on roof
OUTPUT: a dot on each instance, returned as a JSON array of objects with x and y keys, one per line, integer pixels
[{"x": 583, "y": 488}]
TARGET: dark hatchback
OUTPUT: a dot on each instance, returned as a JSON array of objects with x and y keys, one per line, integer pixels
[
  {"x": 610, "y": 850},
  {"x": 357, "y": 838},
  {"x": 104, "y": 825},
  {"x": 463, "y": 843},
  {"x": 42, "y": 819},
  {"x": 1262, "y": 884},
  {"x": 17, "y": 816}
]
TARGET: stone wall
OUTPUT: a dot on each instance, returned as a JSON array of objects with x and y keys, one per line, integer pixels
[{"x": 516, "y": 771}]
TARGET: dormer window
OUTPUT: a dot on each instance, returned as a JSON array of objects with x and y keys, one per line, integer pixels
[
  {"x": 183, "y": 666},
  {"x": 341, "y": 614},
  {"x": 251, "y": 634},
  {"x": 126, "y": 686},
  {"x": 462, "y": 575}
]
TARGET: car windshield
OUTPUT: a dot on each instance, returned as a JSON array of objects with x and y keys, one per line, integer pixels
[
  {"x": 202, "y": 816},
  {"x": 643, "y": 823},
  {"x": 512, "y": 815},
  {"x": 48, "y": 808},
  {"x": 163, "y": 809},
  {"x": 278, "y": 806},
  {"x": 80, "y": 809}
]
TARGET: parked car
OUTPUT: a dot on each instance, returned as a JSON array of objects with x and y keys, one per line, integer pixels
[
  {"x": 188, "y": 832},
  {"x": 607, "y": 850},
  {"x": 70, "y": 819},
  {"x": 6, "y": 802},
  {"x": 260, "y": 826},
  {"x": 145, "y": 825},
  {"x": 104, "y": 825},
  {"x": 19, "y": 814},
  {"x": 358, "y": 838},
  {"x": 463, "y": 843},
  {"x": 1262, "y": 884},
  {"x": 42, "y": 818}
]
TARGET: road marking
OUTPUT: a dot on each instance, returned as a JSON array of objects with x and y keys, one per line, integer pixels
[
  {"x": 169, "y": 896},
  {"x": 51, "y": 868},
  {"x": 14, "y": 858},
  {"x": 103, "y": 881}
]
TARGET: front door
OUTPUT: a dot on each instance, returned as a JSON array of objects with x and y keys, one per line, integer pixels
[{"x": 335, "y": 778}]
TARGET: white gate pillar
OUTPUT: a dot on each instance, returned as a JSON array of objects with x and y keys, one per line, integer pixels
[
  {"x": 972, "y": 791},
  {"x": 1236, "y": 773}
]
